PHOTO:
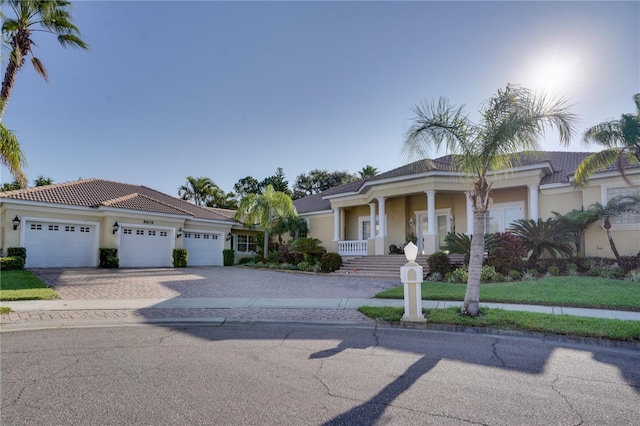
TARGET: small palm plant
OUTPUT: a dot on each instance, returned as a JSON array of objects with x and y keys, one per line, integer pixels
[
  {"x": 614, "y": 207},
  {"x": 308, "y": 247},
  {"x": 544, "y": 236}
]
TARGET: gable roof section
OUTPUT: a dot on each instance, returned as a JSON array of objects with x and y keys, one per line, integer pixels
[
  {"x": 563, "y": 166},
  {"x": 98, "y": 192}
]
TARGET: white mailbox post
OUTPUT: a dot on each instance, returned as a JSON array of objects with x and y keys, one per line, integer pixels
[{"x": 411, "y": 275}]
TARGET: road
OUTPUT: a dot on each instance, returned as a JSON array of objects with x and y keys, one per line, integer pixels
[{"x": 310, "y": 375}]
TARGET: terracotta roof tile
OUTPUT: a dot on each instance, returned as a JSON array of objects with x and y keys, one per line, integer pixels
[{"x": 98, "y": 192}]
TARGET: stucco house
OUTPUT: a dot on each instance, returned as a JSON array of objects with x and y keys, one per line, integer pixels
[
  {"x": 64, "y": 225},
  {"x": 427, "y": 199}
]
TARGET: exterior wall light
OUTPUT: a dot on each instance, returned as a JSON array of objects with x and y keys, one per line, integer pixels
[
  {"x": 228, "y": 236},
  {"x": 179, "y": 232},
  {"x": 16, "y": 222},
  {"x": 116, "y": 227}
]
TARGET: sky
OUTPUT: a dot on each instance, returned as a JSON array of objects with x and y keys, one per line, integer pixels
[{"x": 171, "y": 89}]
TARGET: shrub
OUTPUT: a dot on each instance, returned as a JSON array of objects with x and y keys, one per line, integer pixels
[
  {"x": 629, "y": 263},
  {"x": 528, "y": 276},
  {"x": 554, "y": 270},
  {"x": 11, "y": 263},
  {"x": 544, "y": 236},
  {"x": 458, "y": 275},
  {"x": 434, "y": 276},
  {"x": 247, "y": 260},
  {"x": 572, "y": 269},
  {"x": 180, "y": 256},
  {"x": 633, "y": 275},
  {"x": 515, "y": 275},
  {"x": 308, "y": 266},
  {"x": 17, "y": 251},
  {"x": 487, "y": 273},
  {"x": 273, "y": 256},
  {"x": 330, "y": 262},
  {"x": 498, "y": 277},
  {"x": 108, "y": 258},
  {"x": 507, "y": 252},
  {"x": 308, "y": 247},
  {"x": 593, "y": 272},
  {"x": 533, "y": 272},
  {"x": 228, "y": 257},
  {"x": 439, "y": 262},
  {"x": 461, "y": 244},
  {"x": 287, "y": 257}
]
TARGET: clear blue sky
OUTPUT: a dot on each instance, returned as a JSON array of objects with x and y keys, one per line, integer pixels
[{"x": 234, "y": 89}]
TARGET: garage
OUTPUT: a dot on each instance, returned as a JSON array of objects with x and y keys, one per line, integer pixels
[
  {"x": 145, "y": 247},
  {"x": 52, "y": 244},
  {"x": 204, "y": 248}
]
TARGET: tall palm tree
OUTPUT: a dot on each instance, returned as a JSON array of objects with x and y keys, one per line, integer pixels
[
  {"x": 577, "y": 221},
  {"x": 42, "y": 181},
  {"x": 199, "y": 190},
  {"x": 614, "y": 207},
  {"x": 367, "y": 172},
  {"x": 50, "y": 16},
  {"x": 621, "y": 140},
  {"x": 264, "y": 209},
  {"x": 511, "y": 121},
  {"x": 11, "y": 155}
]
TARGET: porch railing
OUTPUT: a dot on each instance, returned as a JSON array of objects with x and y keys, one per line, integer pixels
[{"x": 352, "y": 248}]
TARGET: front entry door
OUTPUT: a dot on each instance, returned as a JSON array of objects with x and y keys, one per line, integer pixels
[{"x": 443, "y": 226}]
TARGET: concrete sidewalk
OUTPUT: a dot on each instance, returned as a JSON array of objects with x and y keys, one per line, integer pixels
[{"x": 244, "y": 303}]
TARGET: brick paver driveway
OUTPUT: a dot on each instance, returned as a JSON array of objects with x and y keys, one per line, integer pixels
[{"x": 211, "y": 282}]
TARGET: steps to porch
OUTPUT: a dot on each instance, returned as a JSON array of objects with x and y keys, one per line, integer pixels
[{"x": 377, "y": 266}]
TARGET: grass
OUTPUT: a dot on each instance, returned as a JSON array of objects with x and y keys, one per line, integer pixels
[
  {"x": 576, "y": 291},
  {"x": 23, "y": 285},
  {"x": 522, "y": 321}
]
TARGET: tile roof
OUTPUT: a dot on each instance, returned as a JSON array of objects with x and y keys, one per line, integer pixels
[
  {"x": 98, "y": 192},
  {"x": 563, "y": 164}
]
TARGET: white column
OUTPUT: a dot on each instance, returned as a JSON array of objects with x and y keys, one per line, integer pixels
[
  {"x": 336, "y": 224},
  {"x": 533, "y": 201},
  {"x": 431, "y": 212},
  {"x": 372, "y": 220},
  {"x": 469, "y": 213},
  {"x": 382, "y": 218}
]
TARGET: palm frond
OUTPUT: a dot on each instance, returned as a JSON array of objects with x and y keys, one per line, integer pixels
[
  {"x": 594, "y": 162},
  {"x": 11, "y": 155}
]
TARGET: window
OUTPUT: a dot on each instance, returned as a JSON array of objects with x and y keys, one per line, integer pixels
[
  {"x": 53, "y": 227},
  {"x": 84, "y": 229},
  {"x": 163, "y": 233},
  {"x": 364, "y": 228},
  {"x": 187, "y": 235},
  {"x": 500, "y": 217},
  {"x": 152, "y": 233},
  {"x": 197, "y": 236},
  {"x": 630, "y": 217},
  {"x": 139, "y": 231},
  {"x": 36, "y": 227},
  {"x": 70, "y": 229},
  {"x": 126, "y": 231},
  {"x": 247, "y": 243}
]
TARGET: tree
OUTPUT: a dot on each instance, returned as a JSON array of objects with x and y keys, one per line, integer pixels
[
  {"x": 199, "y": 190},
  {"x": 222, "y": 200},
  {"x": 621, "y": 140},
  {"x": 11, "y": 155},
  {"x": 42, "y": 181},
  {"x": 510, "y": 122},
  {"x": 278, "y": 181},
  {"x": 617, "y": 206},
  {"x": 246, "y": 186},
  {"x": 320, "y": 180},
  {"x": 263, "y": 209},
  {"x": 31, "y": 16},
  {"x": 10, "y": 186},
  {"x": 543, "y": 236},
  {"x": 368, "y": 172},
  {"x": 577, "y": 221},
  {"x": 293, "y": 225}
]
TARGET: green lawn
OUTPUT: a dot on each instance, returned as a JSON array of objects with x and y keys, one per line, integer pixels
[
  {"x": 23, "y": 285},
  {"x": 584, "y": 292},
  {"x": 523, "y": 321}
]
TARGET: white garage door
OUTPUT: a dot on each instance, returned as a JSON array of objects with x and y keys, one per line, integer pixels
[
  {"x": 204, "y": 248},
  {"x": 52, "y": 244},
  {"x": 144, "y": 247}
]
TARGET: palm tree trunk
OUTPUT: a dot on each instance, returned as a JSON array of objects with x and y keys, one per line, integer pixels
[
  {"x": 613, "y": 245},
  {"x": 472, "y": 296},
  {"x": 266, "y": 245},
  {"x": 9, "y": 81}
]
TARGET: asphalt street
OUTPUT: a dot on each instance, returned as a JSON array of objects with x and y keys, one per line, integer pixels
[{"x": 310, "y": 375}]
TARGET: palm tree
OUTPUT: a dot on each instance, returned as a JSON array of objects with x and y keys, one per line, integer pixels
[
  {"x": 263, "y": 209},
  {"x": 543, "y": 236},
  {"x": 51, "y": 16},
  {"x": 367, "y": 172},
  {"x": 511, "y": 122},
  {"x": 42, "y": 181},
  {"x": 11, "y": 155},
  {"x": 621, "y": 140},
  {"x": 577, "y": 221},
  {"x": 614, "y": 207},
  {"x": 199, "y": 190}
]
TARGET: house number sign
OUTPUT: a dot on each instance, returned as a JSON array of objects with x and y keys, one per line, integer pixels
[{"x": 148, "y": 222}]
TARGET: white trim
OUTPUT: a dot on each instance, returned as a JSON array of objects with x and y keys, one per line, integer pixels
[
  {"x": 170, "y": 229},
  {"x": 362, "y": 219},
  {"x": 604, "y": 187},
  {"x": 503, "y": 227}
]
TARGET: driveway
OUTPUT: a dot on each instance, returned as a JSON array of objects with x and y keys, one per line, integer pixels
[{"x": 205, "y": 282}]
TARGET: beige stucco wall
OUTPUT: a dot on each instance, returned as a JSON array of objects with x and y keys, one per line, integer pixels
[{"x": 321, "y": 227}]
